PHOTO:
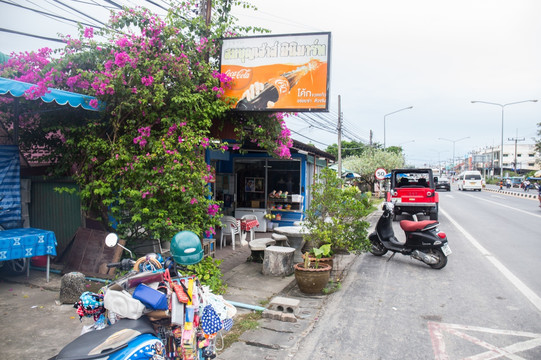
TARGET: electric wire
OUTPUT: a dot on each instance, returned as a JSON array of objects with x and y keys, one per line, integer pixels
[
  {"x": 31, "y": 35},
  {"x": 44, "y": 13},
  {"x": 78, "y": 12}
]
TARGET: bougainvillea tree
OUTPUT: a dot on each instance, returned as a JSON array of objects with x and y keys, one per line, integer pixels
[{"x": 140, "y": 160}]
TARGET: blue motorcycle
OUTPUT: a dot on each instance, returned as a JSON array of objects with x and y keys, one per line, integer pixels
[{"x": 124, "y": 340}]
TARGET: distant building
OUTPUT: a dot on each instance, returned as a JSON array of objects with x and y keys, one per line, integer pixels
[{"x": 519, "y": 158}]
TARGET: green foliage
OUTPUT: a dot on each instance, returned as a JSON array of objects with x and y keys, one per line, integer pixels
[
  {"x": 370, "y": 161},
  {"x": 209, "y": 273},
  {"x": 322, "y": 251},
  {"x": 349, "y": 148},
  {"x": 332, "y": 287},
  {"x": 336, "y": 213},
  {"x": 141, "y": 160}
]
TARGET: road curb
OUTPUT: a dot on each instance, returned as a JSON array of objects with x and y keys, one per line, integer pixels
[{"x": 513, "y": 193}]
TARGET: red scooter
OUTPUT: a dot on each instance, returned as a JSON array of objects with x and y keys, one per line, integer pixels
[{"x": 424, "y": 241}]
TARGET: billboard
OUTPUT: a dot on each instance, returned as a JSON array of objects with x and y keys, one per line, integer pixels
[{"x": 278, "y": 72}]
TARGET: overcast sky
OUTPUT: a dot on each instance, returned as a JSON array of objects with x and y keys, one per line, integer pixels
[{"x": 436, "y": 56}]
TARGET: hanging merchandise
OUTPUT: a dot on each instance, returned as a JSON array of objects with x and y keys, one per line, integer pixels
[
  {"x": 178, "y": 288},
  {"x": 89, "y": 304},
  {"x": 210, "y": 321},
  {"x": 176, "y": 318}
]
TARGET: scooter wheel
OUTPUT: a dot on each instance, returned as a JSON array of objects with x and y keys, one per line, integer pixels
[
  {"x": 442, "y": 259},
  {"x": 377, "y": 248}
]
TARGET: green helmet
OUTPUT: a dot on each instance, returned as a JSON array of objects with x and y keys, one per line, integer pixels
[{"x": 186, "y": 248}]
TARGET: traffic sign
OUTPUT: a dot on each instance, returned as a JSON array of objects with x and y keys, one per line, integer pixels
[{"x": 380, "y": 173}]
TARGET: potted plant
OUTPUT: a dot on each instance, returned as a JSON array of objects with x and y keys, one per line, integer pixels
[
  {"x": 322, "y": 254},
  {"x": 312, "y": 276},
  {"x": 336, "y": 214}
]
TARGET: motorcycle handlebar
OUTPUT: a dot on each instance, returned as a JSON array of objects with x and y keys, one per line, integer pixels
[{"x": 124, "y": 264}]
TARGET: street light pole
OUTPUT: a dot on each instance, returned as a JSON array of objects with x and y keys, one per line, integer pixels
[
  {"x": 503, "y": 107},
  {"x": 385, "y": 118},
  {"x": 454, "y": 142}
]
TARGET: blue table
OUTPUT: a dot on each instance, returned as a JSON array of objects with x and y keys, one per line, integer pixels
[{"x": 27, "y": 242}]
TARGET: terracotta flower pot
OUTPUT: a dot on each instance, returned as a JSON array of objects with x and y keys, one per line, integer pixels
[
  {"x": 311, "y": 280},
  {"x": 325, "y": 260}
]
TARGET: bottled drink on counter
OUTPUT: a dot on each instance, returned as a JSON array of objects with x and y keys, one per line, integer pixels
[{"x": 276, "y": 87}]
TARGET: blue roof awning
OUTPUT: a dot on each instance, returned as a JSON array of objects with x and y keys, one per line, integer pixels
[{"x": 17, "y": 88}]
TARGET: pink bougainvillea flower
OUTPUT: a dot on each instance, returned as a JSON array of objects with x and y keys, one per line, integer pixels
[
  {"x": 89, "y": 33},
  {"x": 147, "y": 81},
  {"x": 213, "y": 209},
  {"x": 193, "y": 201},
  {"x": 121, "y": 59},
  {"x": 94, "y": 103}
]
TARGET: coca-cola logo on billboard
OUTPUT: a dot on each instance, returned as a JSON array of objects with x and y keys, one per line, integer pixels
[
  {"x": 282, "y": 85},
  {"x": 241, "y": 77}
]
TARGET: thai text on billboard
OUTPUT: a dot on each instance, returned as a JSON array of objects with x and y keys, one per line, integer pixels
[{"x": 278, "y": 72}]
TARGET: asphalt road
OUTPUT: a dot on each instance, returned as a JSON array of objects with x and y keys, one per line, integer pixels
[{"x": 483, "y": 305}]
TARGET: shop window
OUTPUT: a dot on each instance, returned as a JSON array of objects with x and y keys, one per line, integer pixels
[
  {"x": 256, "y": 178},
  {"x": 284, "y": 176},
  {"x": 250, "y": 183}
]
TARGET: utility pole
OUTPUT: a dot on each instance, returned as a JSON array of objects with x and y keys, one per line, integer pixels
[
  {"x": 371, "y": 137},
  {"x": 206, "y": 9},
  {"x": 515, "y": 140},
  {"x": 339, "y": 138}
]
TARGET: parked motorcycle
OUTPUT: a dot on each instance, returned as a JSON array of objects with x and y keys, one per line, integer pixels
[
  {"x": 423, "y": 240},
  {"x": 167, "y": 322},
  {"x": 149, "y": 262}
]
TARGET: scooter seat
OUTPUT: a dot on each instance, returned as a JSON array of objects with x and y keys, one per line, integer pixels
[
  {"x": 81, "y": 348},
  {"x": 409, "y": 226}
]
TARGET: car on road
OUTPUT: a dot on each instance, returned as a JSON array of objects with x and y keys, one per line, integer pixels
[
  {"x": 470, "y": 180},
  {"x": 413, "y": 191},
  {"x": 443, "y": 183}
]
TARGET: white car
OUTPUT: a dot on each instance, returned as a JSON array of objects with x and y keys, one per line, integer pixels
[{"x": 470, "y": 180}]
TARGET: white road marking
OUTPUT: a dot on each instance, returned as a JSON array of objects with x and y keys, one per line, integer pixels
[
  {"x": 525, "y": 290},
  {"x": 505, "y": 206},
  {"x": 437, "y": 331}
]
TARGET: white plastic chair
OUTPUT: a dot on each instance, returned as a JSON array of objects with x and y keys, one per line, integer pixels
[
  {"x": 230, "y": 226},
  {"x": 252, "y": 230}
]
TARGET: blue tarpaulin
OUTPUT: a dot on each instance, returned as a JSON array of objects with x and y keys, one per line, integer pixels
[
  {"x": 61, "y": 97},
  {"x": 10, "y": 185}
]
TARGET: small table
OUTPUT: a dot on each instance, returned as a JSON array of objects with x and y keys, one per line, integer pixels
[
  {"x": 295, "y": 236},
  {"x": 245, "y": 226},
  {"x": 27, "y": 243}
]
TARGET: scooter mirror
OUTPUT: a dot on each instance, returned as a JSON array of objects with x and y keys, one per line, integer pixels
[{"x": 111, "y": 240}]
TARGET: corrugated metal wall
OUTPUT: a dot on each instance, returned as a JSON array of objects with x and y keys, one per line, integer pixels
[{"x": 51, "y": 210}]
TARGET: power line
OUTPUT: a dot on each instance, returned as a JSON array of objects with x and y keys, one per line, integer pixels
[
  {"x": 31, "y": 35},
  {"x": 44, "y": 13},
  {"x": 306, "y": 137},
  {"x": 77, "y": 11}
]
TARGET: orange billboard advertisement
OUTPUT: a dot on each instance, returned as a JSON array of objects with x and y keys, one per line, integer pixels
[{"x": 278, "y": 72}]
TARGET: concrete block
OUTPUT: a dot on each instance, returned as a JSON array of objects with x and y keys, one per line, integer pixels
[
  {"x": 271, "y": 314},
  {"x": 72, "y": 285},
  {"x": 288, "y": 318},
  {"x": 285, "y": 305}
]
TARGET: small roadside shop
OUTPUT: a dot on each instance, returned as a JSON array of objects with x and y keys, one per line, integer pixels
[{"x": 256, "y": 183}]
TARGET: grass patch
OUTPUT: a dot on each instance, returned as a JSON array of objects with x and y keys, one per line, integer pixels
[
  {"x": 241, "y": 323},
  {"x": 332, "y": 286}
]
